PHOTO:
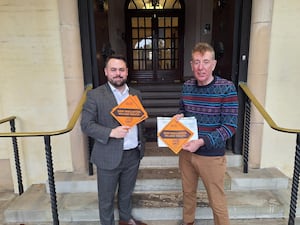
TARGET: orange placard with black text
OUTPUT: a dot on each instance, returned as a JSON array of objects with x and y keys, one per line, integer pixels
[
  {"x": 129, "y": 112},
  {"x": 175, "y": 135}
]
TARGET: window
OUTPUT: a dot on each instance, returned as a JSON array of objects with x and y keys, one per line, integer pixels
[{"x": 155, "y": 33}]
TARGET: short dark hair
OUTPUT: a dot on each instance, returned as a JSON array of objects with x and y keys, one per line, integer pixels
[{"x": 116, "y": 56}]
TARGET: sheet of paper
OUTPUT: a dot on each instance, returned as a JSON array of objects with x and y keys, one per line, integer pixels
[
  {"x": 189, "y": 122},
  {"x": 175, "y": 135}
]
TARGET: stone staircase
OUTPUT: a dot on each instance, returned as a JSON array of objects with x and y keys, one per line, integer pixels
[
  {"x": 261, "y": 195},
  {"x": 158, "y": 100}
]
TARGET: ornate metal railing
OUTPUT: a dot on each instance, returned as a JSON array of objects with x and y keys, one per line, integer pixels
[
  {"x": 250, "y": 98},
  {"x": 11, "y": 121},
  {"x": 47, "y": 140}
]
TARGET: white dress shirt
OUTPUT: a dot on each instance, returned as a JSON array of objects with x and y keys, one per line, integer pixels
[{"x": 131, "y": 139}]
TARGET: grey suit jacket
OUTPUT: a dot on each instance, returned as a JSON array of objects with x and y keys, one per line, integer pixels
[{"x": 97, "y": 123}]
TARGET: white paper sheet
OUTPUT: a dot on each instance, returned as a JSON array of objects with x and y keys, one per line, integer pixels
[{"x": 189, "y": 122}]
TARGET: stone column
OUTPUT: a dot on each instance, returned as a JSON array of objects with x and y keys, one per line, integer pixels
[
  {"x": 73, "y": 76},
  {"x": 260, "y": 37}
]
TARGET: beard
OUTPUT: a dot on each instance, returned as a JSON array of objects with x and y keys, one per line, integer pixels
[{"x": 118, "y": 81}]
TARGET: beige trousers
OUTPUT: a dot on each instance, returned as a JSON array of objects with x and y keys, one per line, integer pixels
[{"x": 212, "y": 172}]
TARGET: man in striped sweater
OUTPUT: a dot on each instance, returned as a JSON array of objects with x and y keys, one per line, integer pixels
[{"x": 213, "y": 101}]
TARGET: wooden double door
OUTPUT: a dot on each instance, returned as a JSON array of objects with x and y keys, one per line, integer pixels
[{"x": 155, "y": 40}]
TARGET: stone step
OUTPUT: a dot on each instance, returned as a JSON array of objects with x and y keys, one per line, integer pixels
[
  {"x": 152, "y": 149},
  {"x": 163, "y": 157},
  {"x": 264, "y": 221},
  {"x": 161, "y": 95},
  {"x": 157, "y": 88},
  {"x": 158, "y": 103},
  {"x": 166, "y": 161},
  {"x": 6, "y": 199},
  {"x": 34, "y": 206},
  {"x": 149, "y": 180},
  {"x": 158, "y": 161},
  {"x": 166, "y": 111},
  {"x": 168, "y": 179}
]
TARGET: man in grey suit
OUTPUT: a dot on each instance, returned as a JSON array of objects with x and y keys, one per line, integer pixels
[{"x": 117, "y": 149}]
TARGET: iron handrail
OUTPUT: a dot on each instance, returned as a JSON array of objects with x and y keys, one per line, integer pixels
[
  {"x": 68, "y": 128},
  {"x": 11, "y": 120},
  {"x": 273, "y": 125},
  {"x": 48, "y": 151},
  {"x": 7, "y": 119},
  {"x": 263, "y": 112}
]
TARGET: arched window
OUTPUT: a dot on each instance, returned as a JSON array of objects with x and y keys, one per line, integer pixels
[{"x": 154, "y": 4}]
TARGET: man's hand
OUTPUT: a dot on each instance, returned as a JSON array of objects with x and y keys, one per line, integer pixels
[
  {"x": 119, "y": 132},
  {"x": 178, "y": 116},
  {"x": 193, "y": 145}
]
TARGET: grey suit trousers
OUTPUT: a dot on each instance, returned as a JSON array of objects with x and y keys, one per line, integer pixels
[{"x": 120, "y": 181}]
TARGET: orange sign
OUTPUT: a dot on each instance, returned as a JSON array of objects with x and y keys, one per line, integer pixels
[
  {"x": 129, "y": 112},
  {"x": 175, "y": 135}
]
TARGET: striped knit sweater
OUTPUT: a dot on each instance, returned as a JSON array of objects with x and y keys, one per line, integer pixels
[{"x": 215, "y": 106}]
